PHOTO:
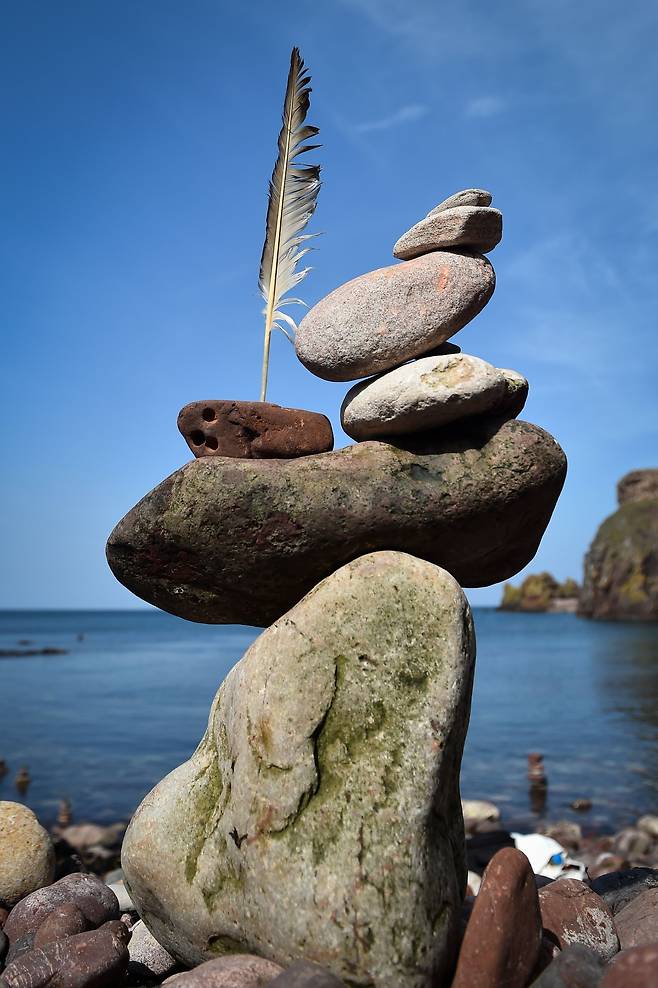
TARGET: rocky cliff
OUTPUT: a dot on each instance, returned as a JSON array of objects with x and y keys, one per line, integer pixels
[
  {"x": 621, "y": 566},
  {"x": 541, "y": 592}
]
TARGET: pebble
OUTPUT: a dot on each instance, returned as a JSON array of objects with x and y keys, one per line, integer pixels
[
  {"x": 304, "y": 974},
  {"x": 468, "y": 197},
  {"x": 253, "y": 430},
  {"x": 94, "y": 899},
  {"x": 634, "y": 968},
  {"x": 148, "y": 958},
  {"x": 64, "y": 921},
  {"x": 620, "y": 888},
  {"x": 566, "y": 833},
  {"x": 632, "y": 842},
  {"x": 477, "y": 228},
  {"x": 126, "y": 904},
  {"x": 426, "y": 394},
  {"x": 515, "y": 395},
  {"x": 234, "y": 971},
  {"x": 574, "y": 967},
  {"x": 649, "y": 824},
  {"x": 478, "y": 811},
  {"x": 637, "y": 922},
  {"x": 377, "y": 321},
  {"x": 504, "y": 933},
  {"x": 475, "y": 504},
  {"x": 95, "y": 959},
  {"x": 572, "y": 913},
  {"x": 27, "y": 856}
]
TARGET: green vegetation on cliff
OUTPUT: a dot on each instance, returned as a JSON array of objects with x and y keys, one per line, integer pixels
[{"x": 541, "y": 592}]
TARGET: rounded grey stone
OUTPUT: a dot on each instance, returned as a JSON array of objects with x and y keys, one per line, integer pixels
[
  {"x": 321, "y": 812},
  {"x": 468, "y": 197},
  {"x": 377, "y": 321},
  {"x": 425, "y": 394},
  {"x": 476, "y": 227}
]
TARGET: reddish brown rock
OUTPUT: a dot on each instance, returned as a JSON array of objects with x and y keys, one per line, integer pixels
[
  {"x": 95, "y": 959},
  {"x": 503, "y": 937},
  {"x": 637, "y": 923},
  {"x": 64, "y": 921},
  {"x": 634, "y": 968},
  {"x": 235, "y": 971},
  {"x": 92, "y": 897},
  {"x": 253, "y": 430},
  {"x": 572, "y": 913}
]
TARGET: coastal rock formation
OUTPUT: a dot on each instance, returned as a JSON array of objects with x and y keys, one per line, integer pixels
[
  {"x": 621, "y": 567},
  {"x": 320, "y": 815},
  {"x": 253, "y": 430},
  {"x": 425, "y": 394},
  {"x": 541, "y": 592},
  {"x": 377, "y": 321},
  {"x": 241, "y": 541},
  {"x": 27, "y": 857}
]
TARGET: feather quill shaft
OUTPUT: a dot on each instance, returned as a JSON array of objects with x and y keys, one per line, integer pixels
[{"x": 292, "y": 200}]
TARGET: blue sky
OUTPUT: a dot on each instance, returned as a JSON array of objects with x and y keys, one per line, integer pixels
[{"x": 138, "y": 138}]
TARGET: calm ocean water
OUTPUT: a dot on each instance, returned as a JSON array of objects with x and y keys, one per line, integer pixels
[{"x": 101, "y": 725}]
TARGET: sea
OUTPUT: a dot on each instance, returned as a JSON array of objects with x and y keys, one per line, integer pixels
[{"x": 100, "y": 725}]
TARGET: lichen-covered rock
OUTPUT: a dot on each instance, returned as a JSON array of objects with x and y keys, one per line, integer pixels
[
  {"x": 621, "y": 566},
  {"x": 382, "y": 318},
  {"x": 425, "y": 394},
  {"x": 573, "y": 913},
  {"x": 27, "y": 856},
  {"x": 320, "y": 815},
  {"x": 241, "y": 541}
]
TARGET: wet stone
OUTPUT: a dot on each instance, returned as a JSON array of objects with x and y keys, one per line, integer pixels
[{"x": 253, "y": 430}]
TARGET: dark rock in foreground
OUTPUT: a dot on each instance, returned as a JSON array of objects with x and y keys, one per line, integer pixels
[
  {"x": 230, "y": 541},
  {"x": 621, "y": 566}
]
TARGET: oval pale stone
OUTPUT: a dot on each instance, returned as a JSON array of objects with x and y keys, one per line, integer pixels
[
  {"x": 467, "y": 197},
  {"x": 379, "y": 320},
  {"x": 241, "y": 541},
  {"x": 425, "y": 394},
  {"x": 321, "y": 810}
]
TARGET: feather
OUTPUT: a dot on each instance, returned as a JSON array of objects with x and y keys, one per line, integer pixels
[{"x": 293, "y": 196}]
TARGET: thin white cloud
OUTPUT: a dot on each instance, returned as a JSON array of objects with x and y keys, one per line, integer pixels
[
  {"x": 484, "y": 106},
  {"x": 406, "y": 114}
]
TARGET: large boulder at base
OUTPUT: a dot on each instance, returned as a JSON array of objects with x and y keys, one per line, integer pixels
[
  {"x": 320, "y": 815},
  {"x": 241, "y": 541},
  {"x": 621, "y": 566},
  {"x": 27, "y": 856},
  {"x": 382, "y": 318}
]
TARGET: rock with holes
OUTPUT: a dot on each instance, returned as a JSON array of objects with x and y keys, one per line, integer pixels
[
  {"x": 241, "y": 541},
  {"x": 253, "y": 430},
  {"x": 382, "y": 318},
  {"x": 320, "y": 815},
  {"x": 425, "y": 394},
  {"x": 474, "y": 227}
]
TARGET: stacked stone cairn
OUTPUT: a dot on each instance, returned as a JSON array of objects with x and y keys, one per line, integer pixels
[{"x": 315, "y": 836}]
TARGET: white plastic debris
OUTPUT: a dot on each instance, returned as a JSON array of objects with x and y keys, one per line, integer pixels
[{"x": 547, "y": 857}]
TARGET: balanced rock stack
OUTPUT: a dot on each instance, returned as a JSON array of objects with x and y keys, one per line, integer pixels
[
  {"x": 378, "y": 322},
  {"x": 319, "y": 819}
]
